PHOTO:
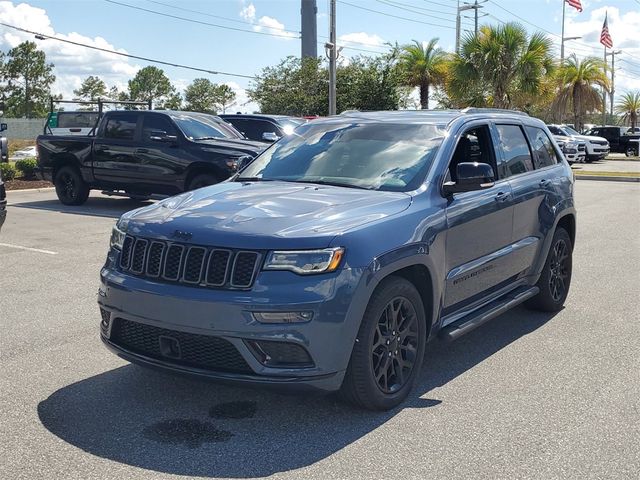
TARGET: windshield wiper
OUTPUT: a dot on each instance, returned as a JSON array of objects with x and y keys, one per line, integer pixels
[
  {"x": 253, "y": 179},
  {"x": 324, "y": 182},
  {"x": 208, "y": 138}
]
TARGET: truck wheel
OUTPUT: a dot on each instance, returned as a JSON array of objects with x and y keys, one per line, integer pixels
[
  {"x": 556, "y": 276},
  {"x": 388, "y": 352},
  {"x": 202, "y": 180},
  {"x": 630, "y": 152},
  {"x": 70, "y": 187}
]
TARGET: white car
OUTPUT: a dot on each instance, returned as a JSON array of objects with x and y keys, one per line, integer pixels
[
  {"x": 597, "y": 147},
  {"x": 29, "y": 152},
  {"x": 574, "y": 151}
]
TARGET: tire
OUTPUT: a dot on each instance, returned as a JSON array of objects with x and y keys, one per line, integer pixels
[
  {"x": 371, "y": 381},
  {"x": 630, "y": 152},
  {"x": 555, "y": 280},
  {"x": 202, "y": 180},
  {"x": 70, "y": 187}
]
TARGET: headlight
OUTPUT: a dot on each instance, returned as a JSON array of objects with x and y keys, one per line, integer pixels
[
  {"x": 118, "y": 234},
  {"x": 305, "y": 261}
]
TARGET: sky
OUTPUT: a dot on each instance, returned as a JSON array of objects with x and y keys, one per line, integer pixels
[{"x": 243, "y": 36}]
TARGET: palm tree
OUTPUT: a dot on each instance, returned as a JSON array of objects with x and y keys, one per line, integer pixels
[
  {"x": 423, "y": 66},
  {"x": 578, "y": 87},
  {"x": 499, "y": 62},
  {"x": 629, "y": 107}
]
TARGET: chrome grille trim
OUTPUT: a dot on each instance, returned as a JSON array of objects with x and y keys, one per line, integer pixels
[
  {"x": 256, "y": 263},
  {"x": 226, "y": 268}
]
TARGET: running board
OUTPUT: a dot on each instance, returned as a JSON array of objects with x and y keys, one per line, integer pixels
[
  {"x": 115, "y": 193},
  {"x": 488, "y": 312}
]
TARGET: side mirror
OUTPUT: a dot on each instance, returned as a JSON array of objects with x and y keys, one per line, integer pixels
[
  {"x": 161, "y": 136},
  {"x": 3, "y": 127},
  {"x": 471, "y": 176},
  {"x": 270, "y": 137},
  {"x": 242, "y": 162}
]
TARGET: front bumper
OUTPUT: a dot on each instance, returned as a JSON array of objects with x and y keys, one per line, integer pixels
[{"x": 226, "y": 314}]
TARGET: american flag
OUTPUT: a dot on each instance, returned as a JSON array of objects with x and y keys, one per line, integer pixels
[
  {"x": 605, "y": 38},
  {"x": 575, "y": 4}
]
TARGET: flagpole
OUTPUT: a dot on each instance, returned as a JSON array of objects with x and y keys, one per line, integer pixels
[
  {"x": 564, "y": 6},
  {"x": 604, "y": 91}
]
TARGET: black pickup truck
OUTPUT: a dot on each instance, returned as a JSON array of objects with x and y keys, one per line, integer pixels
[
  {"x": 139, "y": 153},
  {"x": 621, "y": 139}
]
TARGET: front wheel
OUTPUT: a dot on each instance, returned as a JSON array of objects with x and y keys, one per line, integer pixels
[
  {"x": 555, "y": 279},
  {"x": 630, "y": 152},
  {"x": 388, "y": 352},
  {"x": 70, "y": 187},
  {"x": 202, "y": 180}
]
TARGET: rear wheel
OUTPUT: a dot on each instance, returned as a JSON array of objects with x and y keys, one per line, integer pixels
[
  {"x": 388, "y": 353},
  {"x": 630, "y": 152},
  {"x": 555, "y": 279},
  {"x": 70, "y": 187},
  {"x": 202, "y": 180}
]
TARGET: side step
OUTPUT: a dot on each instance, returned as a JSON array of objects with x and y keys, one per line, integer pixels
[
  {"x": 133, "y": 196},
  {"x": 488, "y": 312}
]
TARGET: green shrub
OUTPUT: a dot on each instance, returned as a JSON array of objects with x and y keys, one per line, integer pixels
[
  {"x": 27, "y": 166},
  {"x": 7, "y": 171}
]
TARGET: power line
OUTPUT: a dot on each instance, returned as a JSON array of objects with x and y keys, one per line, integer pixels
[
  {"x": 440, "y": 4},
  {"x": 137, "y": 57},
  {"x": 200, "y": 12},
  {"x": 394, "y": 16},
  {"x": 403, "y": 6},
  {"x": 198, "y": 21}
]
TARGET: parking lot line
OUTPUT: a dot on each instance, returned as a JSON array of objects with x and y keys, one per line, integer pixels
[{"x": 20, "y": 247}]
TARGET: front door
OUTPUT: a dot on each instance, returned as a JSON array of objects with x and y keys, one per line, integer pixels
[{"x": 479, "y": 227}]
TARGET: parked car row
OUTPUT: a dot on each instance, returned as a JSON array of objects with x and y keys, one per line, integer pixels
[
  {"x": 139, "y": 153},
  {"x": 597, "y": 147}
]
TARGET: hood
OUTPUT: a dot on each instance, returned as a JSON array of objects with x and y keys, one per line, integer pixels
[
  {"x": 586, "y": 138},
  {"x": 263, "y": 215},
  {"x": 240, "y": 144}
]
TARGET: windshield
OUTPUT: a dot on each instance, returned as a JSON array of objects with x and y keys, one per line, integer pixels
[
  {"x": 570, "y": 131},
  {"x": 201, "y": 127},
  {"x": 377, "y": 156}
]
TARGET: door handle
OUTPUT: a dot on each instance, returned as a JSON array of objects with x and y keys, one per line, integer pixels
[
  {"x": 502, "y": 196},
  {"x": 544, "y": 182},
  {"x": 101, "y": 149},
  {"x": 142, "y": 150}
]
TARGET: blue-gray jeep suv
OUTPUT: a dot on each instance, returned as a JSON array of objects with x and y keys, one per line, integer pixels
[{"x": 336, "y": 255}]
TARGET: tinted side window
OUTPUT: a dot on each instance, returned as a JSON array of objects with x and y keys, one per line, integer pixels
[
  {"x": 154, "y": 125},
  {"x": 122, "y": 127},
  {"x": 555, "y": 130},
  {"x": 543, "y": 152},
  {"x": 474, "y": 145},
  {"x": 253, "y": 129},
  {"x": 239, "y": 124},
  {"x": 517, "y": 157}
]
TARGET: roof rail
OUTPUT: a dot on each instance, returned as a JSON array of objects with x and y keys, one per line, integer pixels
[{"x": 492, "y": 110}]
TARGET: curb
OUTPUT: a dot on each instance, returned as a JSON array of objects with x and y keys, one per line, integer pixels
[
  {"x": 608, "y": 179},
  {"x": 45, "y": 189}
]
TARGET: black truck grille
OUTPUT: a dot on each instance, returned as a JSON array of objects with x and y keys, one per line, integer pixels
[
  {"x": 194, "y": 265},
  {"x": 187, "y": 349}
]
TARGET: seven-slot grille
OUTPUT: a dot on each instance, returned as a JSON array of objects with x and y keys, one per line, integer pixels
[{"x": 203, "y": 266}]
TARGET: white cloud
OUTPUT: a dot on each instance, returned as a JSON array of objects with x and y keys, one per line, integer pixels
[
  {"x": 266, "y": 24},
  {"x": 362, "y": 39},
  {"x": 243, "y": 103},
  {"x": 72, "y": 63}
]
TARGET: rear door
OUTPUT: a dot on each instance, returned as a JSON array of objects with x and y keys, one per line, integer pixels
[
  {"x": 533, "y": 168},
  {"x": 114, "y": 157},
  {"x": 479, "y": 226}
]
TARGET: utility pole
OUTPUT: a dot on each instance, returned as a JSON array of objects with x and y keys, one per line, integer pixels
[
  {"x": 613, "y": 75},
  {"x": 309, "y": 29},
  {"x": 474, "y": 6},
  {"x": 333, "y": 54},
  {"x": 604, "y": 92}
]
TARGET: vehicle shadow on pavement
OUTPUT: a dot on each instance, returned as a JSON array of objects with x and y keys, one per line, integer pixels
[
  {"x": 94, "y": 207},
  {"x": 188, "y": 427}
]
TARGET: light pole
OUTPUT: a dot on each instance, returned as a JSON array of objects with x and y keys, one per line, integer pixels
[
  {"x": 333, "y": 55},
  {"x": 565, "y": 39},
  {"x": 613, "y": 74},
  {"x": 461, "y": 9}
]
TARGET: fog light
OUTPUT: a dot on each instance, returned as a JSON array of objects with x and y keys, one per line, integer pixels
[
  {"x": 283, "y": 317},
  {"x": 280, "y": 354}
]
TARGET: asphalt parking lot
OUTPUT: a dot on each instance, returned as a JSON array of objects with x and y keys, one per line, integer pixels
[{"x": 529, "y": 395}]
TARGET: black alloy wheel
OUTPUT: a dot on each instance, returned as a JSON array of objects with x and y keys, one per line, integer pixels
[
  {"x": 70, "y": 188},
  {"x": 555, "y": 278},
  {"x": 559, "y": 270},
  {"x": 395, "y": 345},
  {"x": 389, "y": 348}
]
